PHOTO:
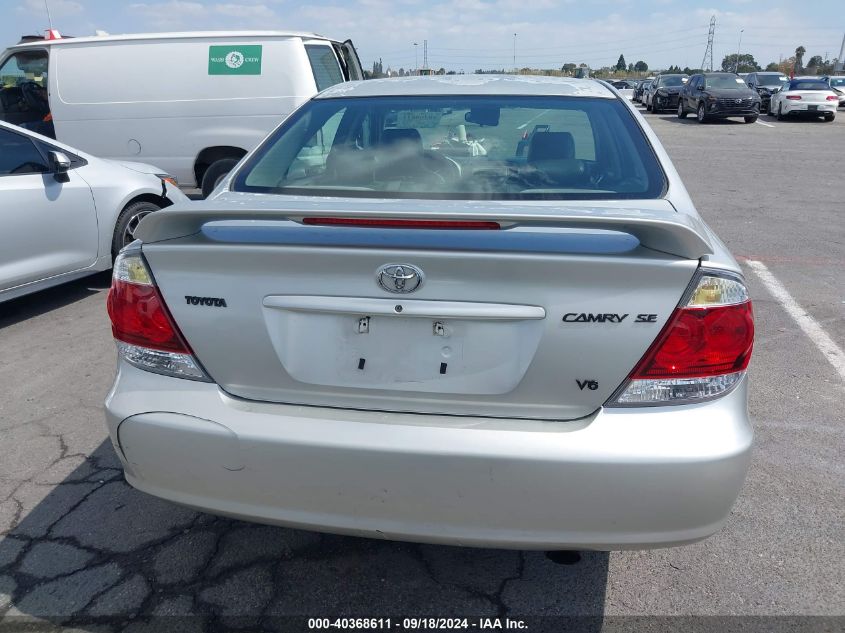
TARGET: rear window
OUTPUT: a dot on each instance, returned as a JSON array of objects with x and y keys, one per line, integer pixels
[
  {"x": 502, "y": 147},
  {"x": 324, "y": 65},
  {"x": 808, "y": 85}
]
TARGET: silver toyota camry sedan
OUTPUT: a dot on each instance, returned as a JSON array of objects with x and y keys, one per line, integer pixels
[{"x": 473, "y": 310}]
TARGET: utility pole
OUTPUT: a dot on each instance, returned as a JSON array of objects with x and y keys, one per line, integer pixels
[
  {"x": 49, "y": 17},
  {"x": 514, "y": 52},
  {"x": 738, "y": 47},
  {"x": 709, "y": 50},
  {"x": 416, "y": 60},
  {"x": 425, "y": 53}
]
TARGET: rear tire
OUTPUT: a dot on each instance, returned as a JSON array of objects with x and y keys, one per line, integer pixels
[
  {"x": 701, "y": 114},
  {"x": 781, "y": 116},
  {"x": 127, "y": 222},
  {"x": 829, "y": 117},
  {"x": 751, "y": 119},
  {"x": 648, "y": 106},
  {"x": 216, "y": 172},
  {"x": 682, "y": 114}
]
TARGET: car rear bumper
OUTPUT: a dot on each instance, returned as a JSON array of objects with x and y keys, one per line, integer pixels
[
  {"x": 621, "y": 478},
  {"x": 796, "y": 107}
]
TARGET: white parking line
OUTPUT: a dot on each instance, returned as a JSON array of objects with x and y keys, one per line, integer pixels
[
  {"x": 766, "y": 124},
  {"x": 829, "y": 349},
  {"x": 534, "y": 118}
]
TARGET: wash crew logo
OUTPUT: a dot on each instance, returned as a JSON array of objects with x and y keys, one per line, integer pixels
[{"x": 234, "y": 60}]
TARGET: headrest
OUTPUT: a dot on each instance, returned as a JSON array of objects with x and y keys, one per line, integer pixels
[
  {"x": 551, "y": 146},
  {"x": 396, "y": 135}
]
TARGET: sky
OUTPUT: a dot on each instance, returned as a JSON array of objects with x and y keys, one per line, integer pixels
[{"x": 470, "y": 34}]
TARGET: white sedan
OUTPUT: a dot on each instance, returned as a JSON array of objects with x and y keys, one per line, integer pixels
[
  {"x": 808, "y": 96},
  {"x": 66, "y": 214}
]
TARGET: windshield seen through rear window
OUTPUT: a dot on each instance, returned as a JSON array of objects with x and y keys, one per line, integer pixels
[{"x": 457, "y": 148}]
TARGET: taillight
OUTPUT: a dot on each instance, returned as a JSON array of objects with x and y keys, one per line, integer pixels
[
  {"x": 702, "y": 352},
  {"x": 832, "y": 98},
  {"x": 401, "y": 223},
  {"x": 143, "y": 329},
  {"x": 794, "y": 97}
]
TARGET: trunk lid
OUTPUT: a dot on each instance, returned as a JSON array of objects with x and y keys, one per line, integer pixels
[
  {"x": 542, "y": 319},
  {"x": 811, "y": 96}
]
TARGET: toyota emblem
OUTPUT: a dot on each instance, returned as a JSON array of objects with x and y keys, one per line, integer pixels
[{"x": 399, "y": 278}]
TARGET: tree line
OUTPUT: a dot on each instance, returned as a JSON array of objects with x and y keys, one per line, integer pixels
[{"x": 740, "y": 63}]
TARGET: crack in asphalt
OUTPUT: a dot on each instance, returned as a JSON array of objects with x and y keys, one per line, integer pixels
[{"x": 141, "y": 560}]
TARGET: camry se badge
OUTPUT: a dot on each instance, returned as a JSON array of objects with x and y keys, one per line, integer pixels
[
  {"x": 585, "y": 317},
  {"x": 399, "y": 278}
]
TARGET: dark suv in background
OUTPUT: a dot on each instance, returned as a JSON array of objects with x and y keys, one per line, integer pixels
[
  {"x": 718, "y": 96},
  {"x": 665, "y": 91},
  {"x": 766, "y": 84}
]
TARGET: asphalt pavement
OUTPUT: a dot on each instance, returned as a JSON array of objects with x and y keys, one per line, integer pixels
[{"x": 78, "y": 544}]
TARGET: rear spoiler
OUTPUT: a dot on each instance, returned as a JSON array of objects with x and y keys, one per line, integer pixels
[{"x": 655, "y": 223}]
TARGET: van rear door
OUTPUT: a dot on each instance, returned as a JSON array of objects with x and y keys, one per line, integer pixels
[{"x": 349, "y": 60}]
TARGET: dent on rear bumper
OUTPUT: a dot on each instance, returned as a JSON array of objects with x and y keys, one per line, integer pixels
[{"x": 625, "y": 478}]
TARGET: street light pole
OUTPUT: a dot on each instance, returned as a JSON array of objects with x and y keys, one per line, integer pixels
[
  {"x": 416, "y": 60},
  {"x": 738, "y": 47},
  {"x": 514, "y": 52}
]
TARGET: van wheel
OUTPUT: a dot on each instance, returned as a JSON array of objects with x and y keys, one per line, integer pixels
[
  {"x": 127, "y": 223},
  {"x": 216, "y": 172}
]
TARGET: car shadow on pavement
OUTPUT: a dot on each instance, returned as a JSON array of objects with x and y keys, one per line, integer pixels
[
  {"x": 43, "y": 301},
  {"x": 91, "y": 552}
]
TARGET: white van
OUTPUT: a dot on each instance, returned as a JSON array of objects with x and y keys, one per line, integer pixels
[{"x": 190, "y": 103}]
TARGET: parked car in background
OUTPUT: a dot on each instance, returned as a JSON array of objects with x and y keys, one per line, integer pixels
[
  {"x": 193, "y": 103},
  {"x": 718, "y": 96},
  {"x": 805, "y": 96},
  {"x": 625, "y": 88},
  {"x": 333, "y": 343},
  {"x": 66, "y": 214},
  {"x": 664, "y": 92},
  {"x": 837, "y": 84},
  {"x": 640, "y": 89},
  {"x": 647, "y": 92},
  {"x": 766, "y": 83}
]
